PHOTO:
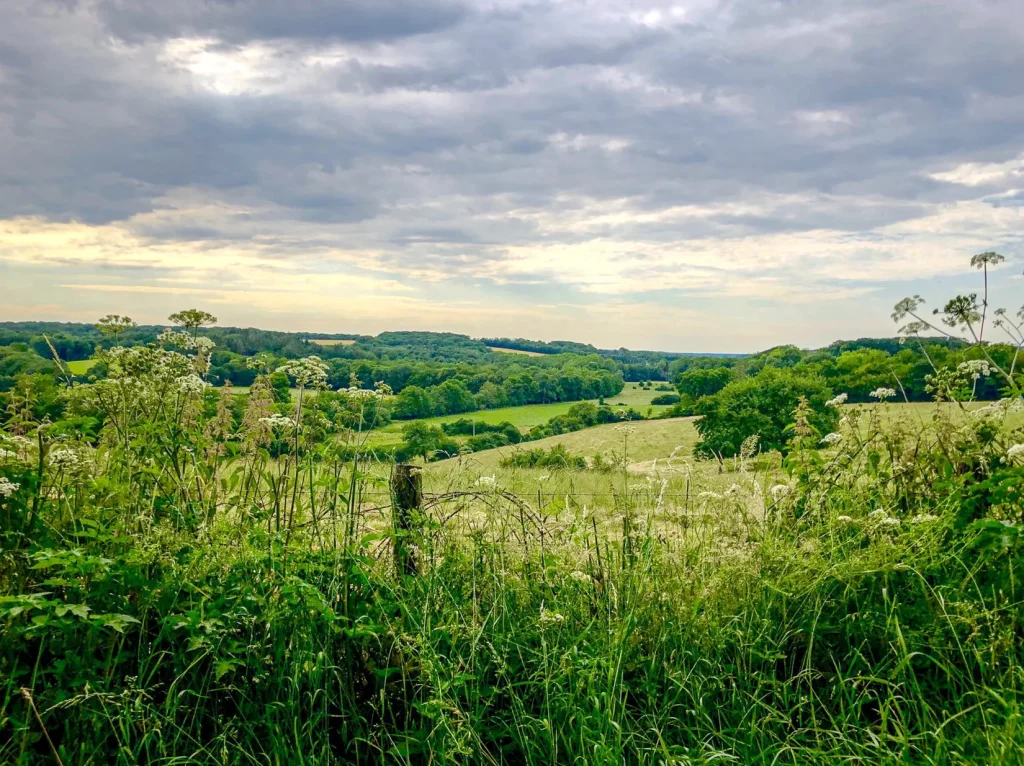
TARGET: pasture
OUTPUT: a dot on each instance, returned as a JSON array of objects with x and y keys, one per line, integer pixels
[
  {"x": 523, "y": 352},
  {"x": 80, "y": 366},
  {"x": 527, "y": 416},
  {"x": 332, "y": 341}
]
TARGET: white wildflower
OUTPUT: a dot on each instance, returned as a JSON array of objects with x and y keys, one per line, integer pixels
[
  {"x": 627, "y": 430},
  {"x": 975, "y": 368},
  {"x": 486, "y": 481},
  {"x": 191, "y": 384},
  {"x": 549, "y": 618},
  {"x": 7, "y": 487},
  {"x": 844, "y": 519},
  {"x": 278, "y": 421},
  {"x": 709, "y": 496},
  {"x": 579, "y": 576},
  {"x": 889, "y": 521},
  {"x": 310, "y": 372},
  {"x": 837, "y": 400},
  {"x": 67, "y": 460},
  {"x": 748, "y": 449},
  {"x": 1016, "y": 453},
  {"x": 877, "y": 514},
  {"x": 832, "y": 439},
  {"x": 779, "y": 491},
  {"x": 883, "y": 393},
  {"x": 924, "y": 518}
]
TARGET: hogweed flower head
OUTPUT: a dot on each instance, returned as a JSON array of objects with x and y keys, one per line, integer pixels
[
  {"x": 7, "y": 487},
  {"x": 309, "y": 372},
  {"x": 883, "y": 393},
  {"x": 1016, "y": 453},
  {"x": 832, "y": 439},
  {"x": 837, "y": 400}
]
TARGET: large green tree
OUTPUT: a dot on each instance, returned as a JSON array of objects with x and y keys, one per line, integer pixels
[{"x": 760, "y": 406}]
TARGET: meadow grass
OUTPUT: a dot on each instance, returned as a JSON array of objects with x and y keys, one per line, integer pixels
[
  {"x": 520, "y": 351},
  {"x": 80, "y": 366},
  {"x": 840, "y": 609},
  {"x": 332, "y": 341},
  {"x": 526, "y": 416}
]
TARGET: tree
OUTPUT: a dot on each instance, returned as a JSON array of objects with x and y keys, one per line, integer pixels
[
  {"x": 491, "y": 396},
  {"x": 412, "y": 402},
  {"x": 695, "y": 383},
  {"x": 760, "y": 406},
  {"x": 422, "y": 439}
]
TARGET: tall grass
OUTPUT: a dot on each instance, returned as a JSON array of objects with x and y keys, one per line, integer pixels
[{"x": 166, "y": 599}]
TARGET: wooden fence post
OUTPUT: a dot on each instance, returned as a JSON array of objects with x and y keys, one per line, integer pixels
[{"x": 407, "y": 490}]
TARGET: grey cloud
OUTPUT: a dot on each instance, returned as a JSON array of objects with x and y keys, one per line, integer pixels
[
  {"x": 433, "y": 131},
  {"x": 245, "y": 20}
]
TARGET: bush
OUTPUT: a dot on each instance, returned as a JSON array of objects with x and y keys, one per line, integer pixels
[
  {"x": 556, "y": 457},
  {"x": 666, "y": 399}
]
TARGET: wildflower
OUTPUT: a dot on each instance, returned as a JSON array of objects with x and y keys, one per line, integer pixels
[
  {"x": 844, "y": 519},
  {"x": 486, "y": 481},
  {"x": 877, "y": 514},
  {"x": 832, "y": 439},
  {"x": 883, "y": 393},
  {"x": 837, "y": 400},
  {"x": 709, "y": 496},
  {"x": 1016, "y": 453},
  {"x": 310, "y": 372},
  {"x": 749, "y": 447},
  {"x": 578, "y": 576},
  {"x": 278, "y": 421},
  {"x": 975, "y": 368},
  {"x": 548, "y": 618},
  {"x": 67, "y": 460},
  {"x": 779, "y": 491},
  {"x": 7, "y": 487},
  {"x": 924, "y": 518},
  {"x": 627, "y": 430},
  {"x": 191, "y": 384},
  {"x": 6, "y": 454}
]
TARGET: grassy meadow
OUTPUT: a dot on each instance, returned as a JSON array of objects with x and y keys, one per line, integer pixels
[
  {"x": 80, "y": 367},
  {"x": 527, "y": 416},
  {"x": 202, "y": 587},
  {"x": 520, "y": 351}
]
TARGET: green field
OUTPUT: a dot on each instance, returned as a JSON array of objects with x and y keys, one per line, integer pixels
[
  {"x": 528, "y": 416},
  {"x": 80, "y": 367}
]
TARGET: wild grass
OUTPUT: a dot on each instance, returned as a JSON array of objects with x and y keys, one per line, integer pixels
[{"x": 164, "y": 601}]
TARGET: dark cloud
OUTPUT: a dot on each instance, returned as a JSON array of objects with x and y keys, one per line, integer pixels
[
  {"x": 239, "y": 21},
  {"x": 443, "y": 131}
]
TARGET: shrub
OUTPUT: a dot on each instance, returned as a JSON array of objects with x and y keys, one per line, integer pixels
[
  {"x": 666, "y": 399},
  {"x": 556, "y": 457}
]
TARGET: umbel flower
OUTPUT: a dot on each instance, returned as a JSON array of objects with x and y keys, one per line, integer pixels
[
  {"x": 832, "y": 439},
  {"x": 837, "y": 400},
  {"x": 309, "y": 372},
  {"x": 7, "y": 487},
  {"x": 883, "y": 393}
]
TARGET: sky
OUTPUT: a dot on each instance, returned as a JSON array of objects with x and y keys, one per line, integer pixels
[{"x": 713, "y": 175}]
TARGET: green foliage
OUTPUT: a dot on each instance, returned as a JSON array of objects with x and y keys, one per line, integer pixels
[
  {"x": 666, "y": 399},
  {"x": 697, "y": 382},
  {"x": 557, "y": 458},
  {"x": 760, "y": 406}
]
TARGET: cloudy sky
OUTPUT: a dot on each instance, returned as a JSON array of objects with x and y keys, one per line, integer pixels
[{"x": 694, "y": 175}]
